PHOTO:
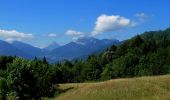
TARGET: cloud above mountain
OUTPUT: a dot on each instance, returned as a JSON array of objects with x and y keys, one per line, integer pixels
[
  {"x": 74, "y": 34},
  {"x": 108, "y": 23},
  {"x": 11, "y": 35},
  {"x": 142, "y": 16},
  {"x": 52, "y": 35}
]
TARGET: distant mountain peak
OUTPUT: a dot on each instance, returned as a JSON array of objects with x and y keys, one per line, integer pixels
[
  {"x": 86, "y": 40},
  {"x": 52, "y": 46},
  {"x": 20, "y": 45}
]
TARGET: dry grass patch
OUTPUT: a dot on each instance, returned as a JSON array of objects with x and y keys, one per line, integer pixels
[{"x": 144, "y": 88}]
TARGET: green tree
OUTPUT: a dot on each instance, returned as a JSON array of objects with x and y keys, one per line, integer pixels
[
  {"x": 3, "y": 89},
  {"x": 30, "y": 79}
]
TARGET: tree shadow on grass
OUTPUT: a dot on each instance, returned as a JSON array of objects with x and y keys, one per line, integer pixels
[{"x": 65, "y": 90}]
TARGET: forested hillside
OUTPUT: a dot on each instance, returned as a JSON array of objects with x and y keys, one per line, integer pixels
[
  {"x": 142, "y": 55},
  {"x": 146, "y": 54}
]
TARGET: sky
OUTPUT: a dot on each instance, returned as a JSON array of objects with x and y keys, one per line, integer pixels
[{"x": 41, "y": 22}]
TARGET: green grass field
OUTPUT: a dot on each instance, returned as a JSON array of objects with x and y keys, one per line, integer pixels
[{"x": 143, "y": 88}]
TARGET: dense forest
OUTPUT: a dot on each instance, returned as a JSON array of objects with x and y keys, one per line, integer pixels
[{"x": 142, "y": 55}]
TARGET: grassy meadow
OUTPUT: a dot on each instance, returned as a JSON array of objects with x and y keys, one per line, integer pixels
[{"x": 143, "y": 88}]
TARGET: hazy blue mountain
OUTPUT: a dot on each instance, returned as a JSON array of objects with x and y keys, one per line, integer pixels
[
  {"x": 80, "y": 48},
  {"x": 31, "y": 50},
  {"x": 7, "y": 49},
  {"x": 87, "y": 40},
  {"x": 52, "y": 46},
  {"x": 68, "y": 51}
]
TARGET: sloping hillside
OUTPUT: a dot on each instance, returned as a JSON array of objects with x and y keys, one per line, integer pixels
[{"x": 144, "y": 88}]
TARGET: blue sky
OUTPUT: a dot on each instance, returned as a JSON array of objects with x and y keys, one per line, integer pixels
[{"x": 40, "y": 22}]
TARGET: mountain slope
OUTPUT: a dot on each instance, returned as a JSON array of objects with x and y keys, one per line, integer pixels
[
  {"x": 52, "y": 46},
  {"x": 68, "y": 51},
  {"x": 81, "y": 47},
  {"x": 6, "y": 49},
  {"x": 33, "y": 51}
]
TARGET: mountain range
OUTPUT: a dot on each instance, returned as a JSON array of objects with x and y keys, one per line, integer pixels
[{"x": 82, "y": 47}]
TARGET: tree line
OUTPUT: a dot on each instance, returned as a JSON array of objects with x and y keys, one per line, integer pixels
[{"x": 142, "y": 55}]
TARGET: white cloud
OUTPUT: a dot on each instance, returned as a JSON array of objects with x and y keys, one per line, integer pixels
[
  {"x": 52, "y": 35},
  {"x": 11, "y": 35},
  {"x": 107, "y": 23},
  {"x": 74, "y": 34},
  {"x": 142, "y": 16}
]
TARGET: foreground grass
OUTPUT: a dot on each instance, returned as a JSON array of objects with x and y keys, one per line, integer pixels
[{"x": 144, "y": 88}]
